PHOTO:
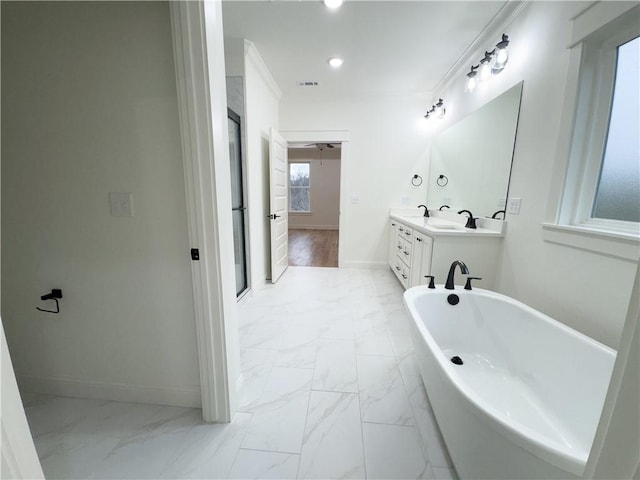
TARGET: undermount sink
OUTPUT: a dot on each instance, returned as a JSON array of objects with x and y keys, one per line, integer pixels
[{"x": 444, "y": 227}]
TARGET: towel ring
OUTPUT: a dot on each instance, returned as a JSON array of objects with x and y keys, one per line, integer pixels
[
  {"x": 416, "y": 181},
  {"x": 442, "y": 181}
]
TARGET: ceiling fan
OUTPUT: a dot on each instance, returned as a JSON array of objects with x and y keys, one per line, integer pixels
[{"x": 321, "y": 146}]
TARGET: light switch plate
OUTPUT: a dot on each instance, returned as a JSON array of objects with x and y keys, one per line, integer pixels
[
  {"x": 514, "y": 206},
  {"x": 121, "y": 204}
]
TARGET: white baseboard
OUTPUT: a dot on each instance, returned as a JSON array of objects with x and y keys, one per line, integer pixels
[
  {"x": 365, "y": 265},
  {"x": 69, "y": 387},
  {"x": 313, "y": 227}
]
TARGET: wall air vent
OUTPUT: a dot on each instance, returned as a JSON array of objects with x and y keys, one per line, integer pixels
[{"x": 307, "y": 84}]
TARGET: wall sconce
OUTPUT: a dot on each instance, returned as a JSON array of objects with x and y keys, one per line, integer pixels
[
  {"x": 437, "y": 110},
  {"x": 492, "y": 63}
]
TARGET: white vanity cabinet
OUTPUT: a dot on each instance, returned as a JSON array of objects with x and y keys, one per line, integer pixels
[
  {"x": 401, "y": 251},
  {"x": 416, "y": 251}
]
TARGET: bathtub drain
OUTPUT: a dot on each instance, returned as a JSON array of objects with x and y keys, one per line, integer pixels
[{"x": 457, "y": 360}]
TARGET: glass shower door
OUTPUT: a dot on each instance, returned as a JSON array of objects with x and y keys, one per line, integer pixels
[{"x": 237, "y": 202}]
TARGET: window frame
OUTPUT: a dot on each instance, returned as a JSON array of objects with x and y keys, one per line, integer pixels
[
  {"x": 299, "y": 212},
  {"x": 588, "y": 101}
]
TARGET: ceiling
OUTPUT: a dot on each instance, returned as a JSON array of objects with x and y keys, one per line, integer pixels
[{"x": 389, "y": 47}]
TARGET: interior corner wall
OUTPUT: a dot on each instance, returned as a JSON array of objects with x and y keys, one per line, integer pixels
[
  {"x": 324, "y": 189},
  {"x": 89, "y": 106},
  {"x": 388, "y": 145},
  {"x": 587, "y": 291},
  {"x": 262, "y": 112}
]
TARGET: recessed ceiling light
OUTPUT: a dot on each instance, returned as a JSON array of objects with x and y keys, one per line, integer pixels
[
  {"x": 335, "y": 62},
  {"x": 333, "y": 3}
]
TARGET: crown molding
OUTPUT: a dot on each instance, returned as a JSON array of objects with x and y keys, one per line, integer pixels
[{"x": 253, "y": 55}]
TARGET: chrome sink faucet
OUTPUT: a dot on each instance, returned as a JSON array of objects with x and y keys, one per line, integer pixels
[{"x": 452, "y": 271}]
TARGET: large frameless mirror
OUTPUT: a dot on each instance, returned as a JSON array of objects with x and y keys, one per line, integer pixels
[{"x": 470, "y": 162}]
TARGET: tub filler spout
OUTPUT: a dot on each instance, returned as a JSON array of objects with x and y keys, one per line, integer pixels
[{"x": 452, "y": 271}]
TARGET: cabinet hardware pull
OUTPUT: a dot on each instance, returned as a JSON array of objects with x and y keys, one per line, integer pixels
[
  {"x": 407, "y": 233},
  {"x": 398, "y": 268},
  {"x": 399, "y": 247},
  {"x": 393, "y": 224},
  {"x": 405, "y": 252},
  {"x": 401, "y": 229},
  {"x": 418, "y": 239},
  {"x": 404, "y": 276}
]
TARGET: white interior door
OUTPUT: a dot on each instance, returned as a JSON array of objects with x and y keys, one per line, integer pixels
[{"x": 279, "y": 205}]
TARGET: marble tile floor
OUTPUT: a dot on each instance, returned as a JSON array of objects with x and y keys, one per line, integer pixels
[{"x": 331, "y": 391}]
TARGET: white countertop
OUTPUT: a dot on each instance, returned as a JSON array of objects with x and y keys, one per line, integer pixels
[{"x": 448, "y": 223}]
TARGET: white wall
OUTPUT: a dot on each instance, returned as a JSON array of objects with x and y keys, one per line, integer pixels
[
  {"x": 587, "y": 291},
  {"x": 325, "y": 189},
  {"x": 262, "y": 97},
  {"x": 89, "y": 107}
]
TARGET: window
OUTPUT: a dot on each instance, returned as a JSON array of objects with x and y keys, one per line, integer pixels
[
  {"x": 618, "y": 191},
  {"x": 602, "y": 184},
  {"x": 299, "y": 187},
  {"x": 594, "y": 196}
]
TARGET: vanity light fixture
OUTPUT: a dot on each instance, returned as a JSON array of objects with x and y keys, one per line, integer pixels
[
  {"x": 492, "y": 63},
  {"x": 333, "y": 4},
  {"x": 437, "y": 110},
  {"x": 335, "y": 62}
]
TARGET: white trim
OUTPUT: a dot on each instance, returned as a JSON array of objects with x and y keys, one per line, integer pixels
[
  {"x": 253, "y": 55},
  {"x": 120, "y": 392},
  {"x": 314, "y": 136},
  {"x": 17, "y": 451},
  {"x": 331, "y": 136},
  {"x": 581, "y": 139},
  {"x": 595, "y": 17},
  {"x": 614, "y": 453},
  {"x": 613, "y": 244},
  {"x": 314, "y": 227},
  {"x": 196, "y": 124},
  {"x": 366, "y": 265}
]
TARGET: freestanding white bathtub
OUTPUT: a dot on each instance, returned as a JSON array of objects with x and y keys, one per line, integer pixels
[{"x": 527, "y": 399}]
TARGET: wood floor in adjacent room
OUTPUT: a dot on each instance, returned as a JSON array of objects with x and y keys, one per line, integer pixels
[{"x": 313, "y": 248}]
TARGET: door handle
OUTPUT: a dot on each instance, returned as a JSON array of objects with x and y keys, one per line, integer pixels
[{"x": 273, "y": 216}]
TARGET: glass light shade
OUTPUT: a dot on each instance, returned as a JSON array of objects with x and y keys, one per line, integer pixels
[
  {"x": 471, "y": 84},
  {"x": 485, "y": 71},
  {"x": 502, "y": 55},
  {"x": 335, "y": 62},
  {"x": 333, "y": 3}
]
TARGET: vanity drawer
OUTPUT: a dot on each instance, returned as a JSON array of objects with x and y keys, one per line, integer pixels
[
  {"x": 406, "y": 251},
  {"x": 402, "y": 272},
  {"x": 406, "y": 233}
]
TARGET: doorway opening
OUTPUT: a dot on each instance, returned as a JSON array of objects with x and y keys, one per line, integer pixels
[{"x": 314, "y": 203}]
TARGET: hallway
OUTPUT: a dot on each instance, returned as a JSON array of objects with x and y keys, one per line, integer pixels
[{"x": 331, "y": 391}]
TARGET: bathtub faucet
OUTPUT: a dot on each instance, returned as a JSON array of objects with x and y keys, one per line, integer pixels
[{"x": 452, "y": 271}]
